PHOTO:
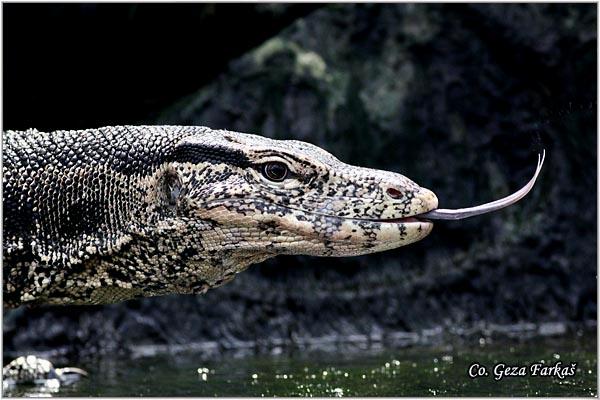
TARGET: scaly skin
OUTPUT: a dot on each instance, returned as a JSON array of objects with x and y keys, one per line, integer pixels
[{"x": 104, "y": 215}]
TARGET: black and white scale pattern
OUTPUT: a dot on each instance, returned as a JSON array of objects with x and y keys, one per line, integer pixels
[{"x": 104, "y": 215}]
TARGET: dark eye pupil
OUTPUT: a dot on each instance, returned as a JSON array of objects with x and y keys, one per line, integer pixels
[{"x": 275, "y": 171}]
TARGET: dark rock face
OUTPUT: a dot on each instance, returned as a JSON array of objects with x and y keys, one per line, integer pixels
[{"x": 457, "y": 97}]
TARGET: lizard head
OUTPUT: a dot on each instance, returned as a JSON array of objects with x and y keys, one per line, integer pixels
[{"x": 266, "y": 197}]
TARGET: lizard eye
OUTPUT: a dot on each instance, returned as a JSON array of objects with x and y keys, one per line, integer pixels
[{"x": 275, "y": 171}]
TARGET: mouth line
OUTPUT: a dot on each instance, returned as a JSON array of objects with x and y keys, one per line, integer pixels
[
  {"x": 415, "y": 218},
  {"x": 403, "y": 220}
]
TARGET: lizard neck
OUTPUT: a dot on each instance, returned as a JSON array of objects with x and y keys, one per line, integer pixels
[{"x": 173, "y": 257}]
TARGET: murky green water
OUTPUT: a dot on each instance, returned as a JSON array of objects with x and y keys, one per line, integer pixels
[{"x": 416, "y": 371}]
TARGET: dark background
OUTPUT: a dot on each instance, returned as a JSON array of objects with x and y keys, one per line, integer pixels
[
  {"x": 460, "y": 98},
  {"x": 80, "y": 65}
]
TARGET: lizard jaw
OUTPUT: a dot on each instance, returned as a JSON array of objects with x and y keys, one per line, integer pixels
[{"x": 404, "y": 220}]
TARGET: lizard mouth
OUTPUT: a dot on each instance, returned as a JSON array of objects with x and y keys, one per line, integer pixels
[
  {"x": 404, "y": 220},
  {"x": 461, "y": 213}
]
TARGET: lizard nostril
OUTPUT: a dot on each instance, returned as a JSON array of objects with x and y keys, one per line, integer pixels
[{"x": 395, "y": 193}]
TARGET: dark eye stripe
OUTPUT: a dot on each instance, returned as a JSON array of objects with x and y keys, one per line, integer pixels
[
  {"x": 300, "y": 161},
  {"x": 198, "y": 154}
]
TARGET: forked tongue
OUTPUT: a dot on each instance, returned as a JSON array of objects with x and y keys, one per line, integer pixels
[{"x": 461, "y": 213}]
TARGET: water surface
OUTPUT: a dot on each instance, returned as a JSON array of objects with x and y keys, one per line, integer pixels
[{"x": 415, "y": 371}]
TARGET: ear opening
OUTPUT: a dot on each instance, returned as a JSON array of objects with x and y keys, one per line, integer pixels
[{"x": 170, "y": 191}]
